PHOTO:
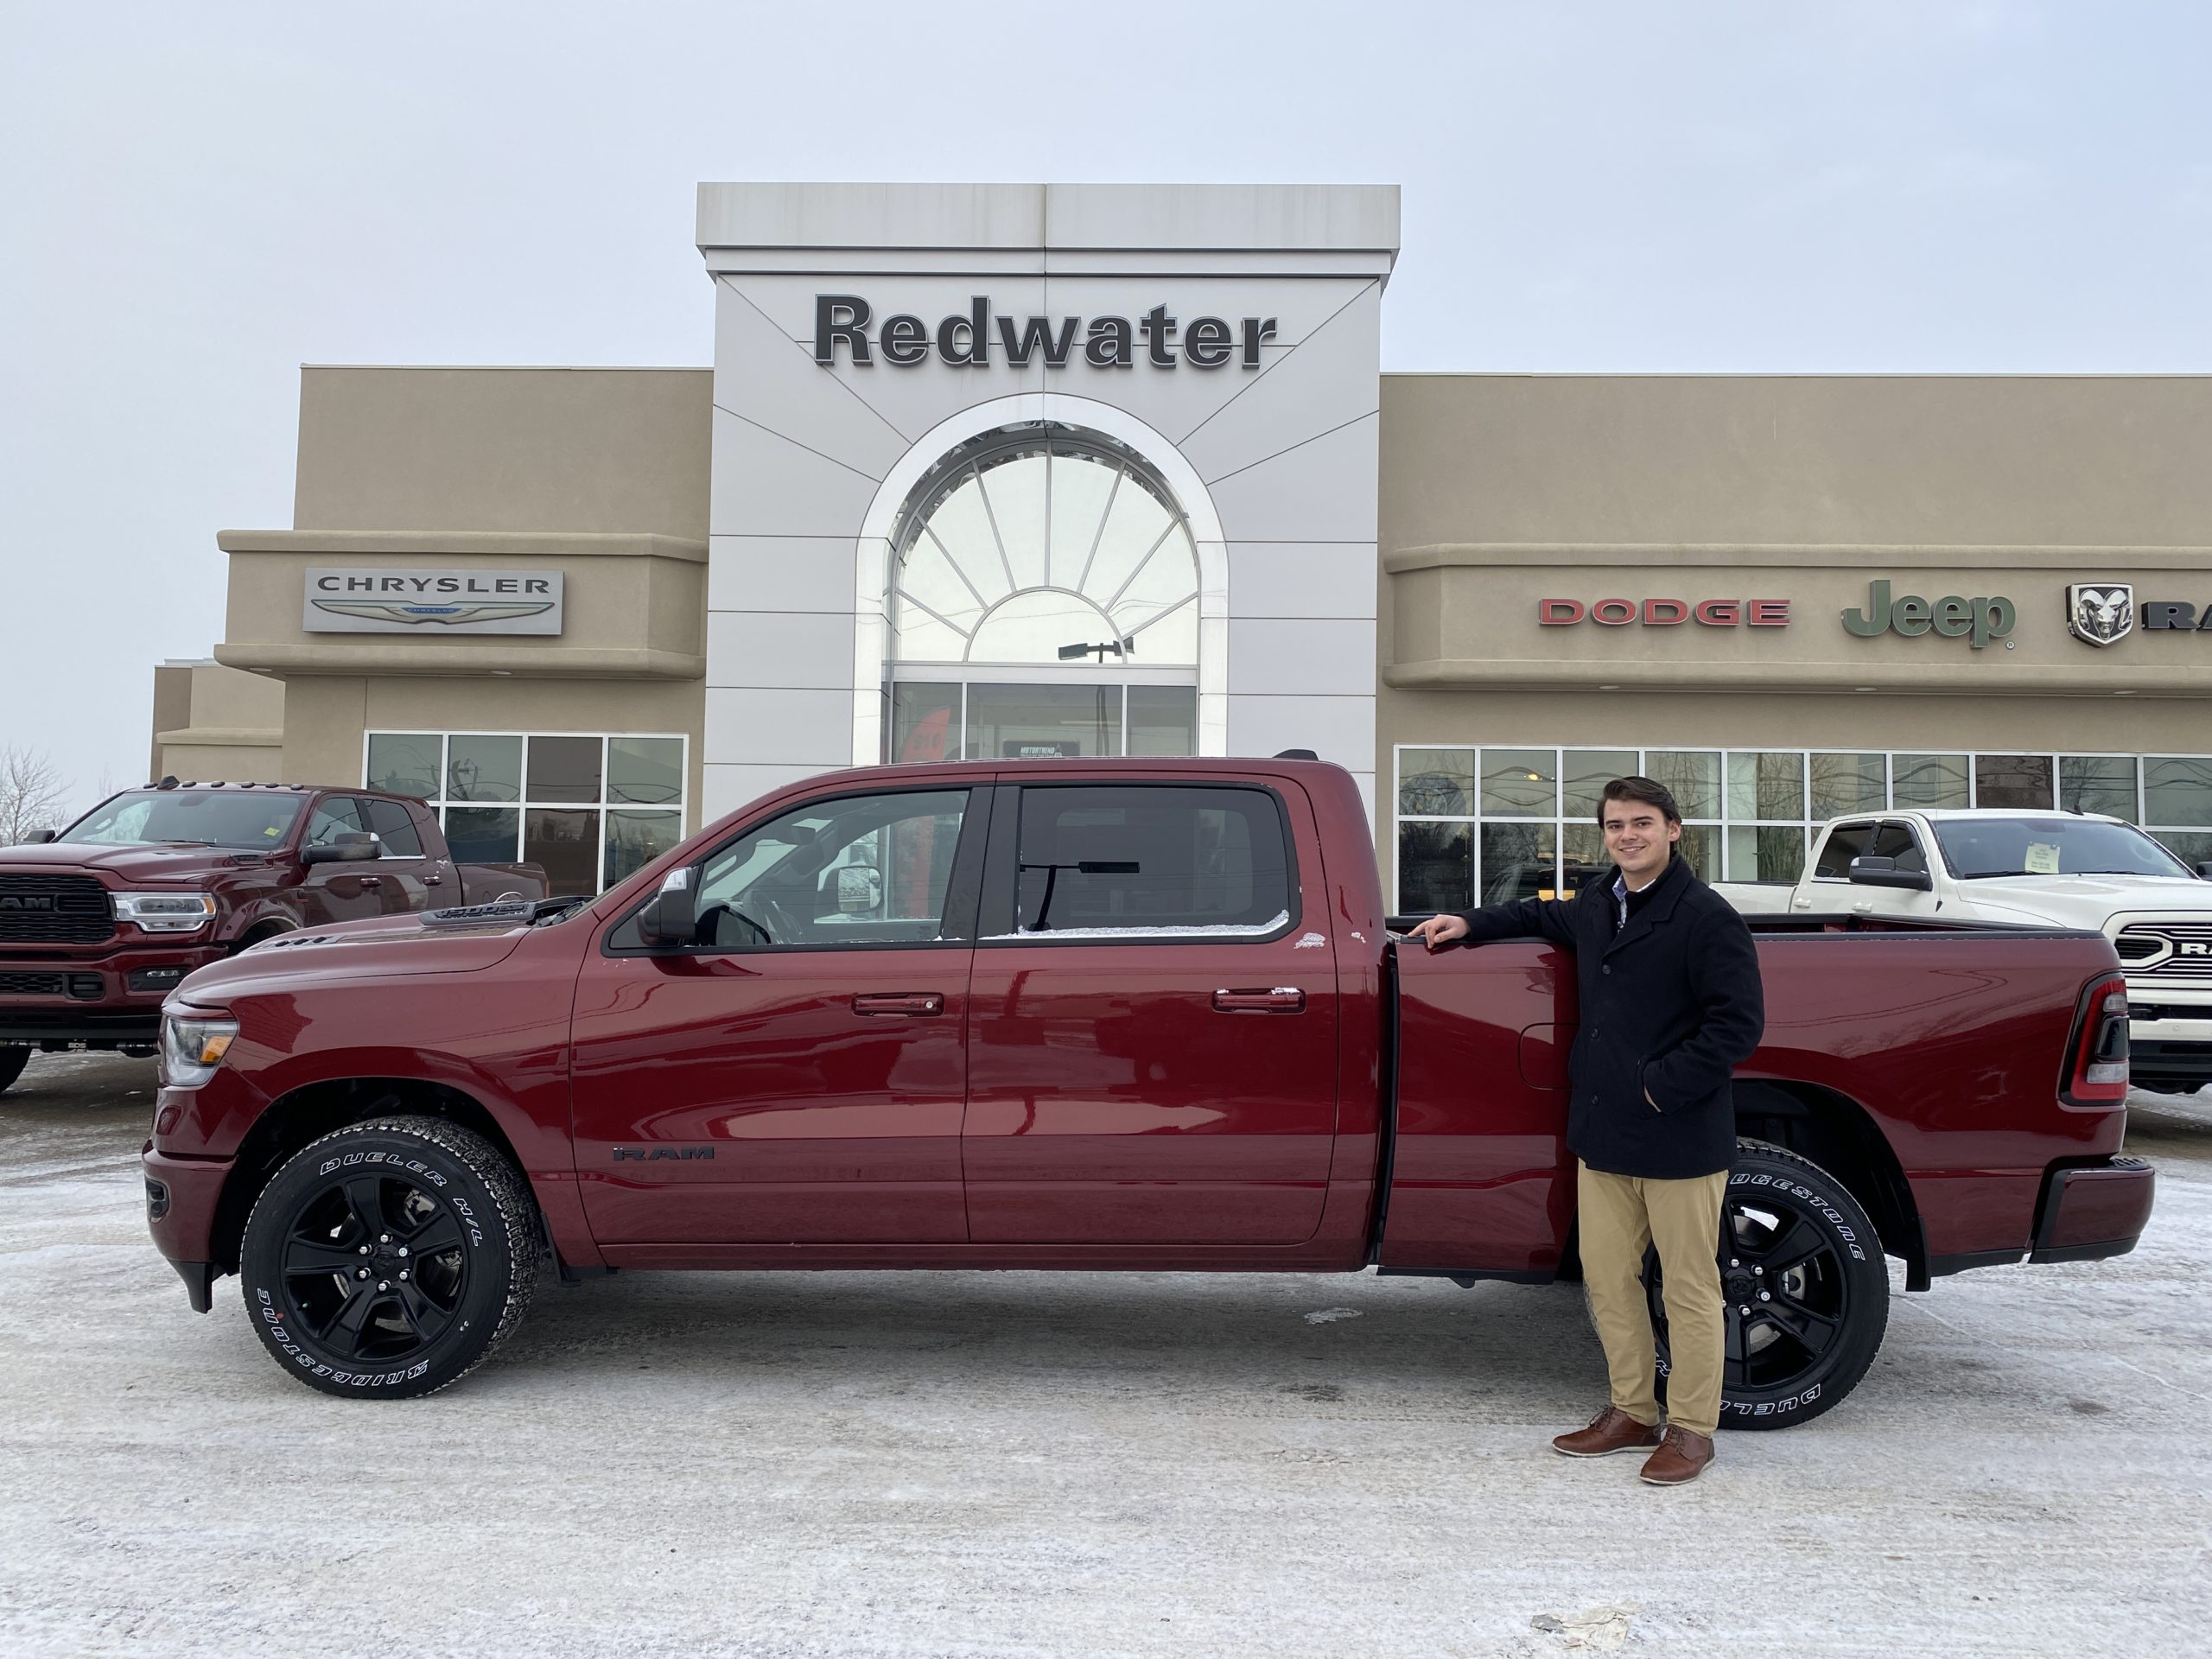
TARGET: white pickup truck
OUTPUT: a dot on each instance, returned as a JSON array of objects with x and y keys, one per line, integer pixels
[{"x": 2056, "y": 869}]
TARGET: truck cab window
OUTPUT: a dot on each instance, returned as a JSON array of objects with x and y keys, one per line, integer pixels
[
  {"x": 872, "y": 869},
  {"x": 1844, "y": 842},
  {"x": 395, "y": 827},
  {"x": 1897, "y": 841},
  {"x": 335, "y": 816},
  {"x": 1138, "y": 861}
]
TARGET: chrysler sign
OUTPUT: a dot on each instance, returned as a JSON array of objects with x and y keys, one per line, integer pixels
[{"x": 432, "y": 601}]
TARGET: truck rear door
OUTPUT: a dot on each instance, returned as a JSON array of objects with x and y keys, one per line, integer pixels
[{"x": 1154, "y": 1018}]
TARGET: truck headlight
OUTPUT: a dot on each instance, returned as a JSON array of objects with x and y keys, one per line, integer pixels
[
  {"x": 165, "y": 912},
  {"x": 192, "y": 1046}
]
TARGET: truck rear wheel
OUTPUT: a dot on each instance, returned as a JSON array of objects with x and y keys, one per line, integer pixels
[
  {"x": 388, "y": 1259},
  {"x": 1807, "y": 1289},
  {"x": 13, "y": 1058}
]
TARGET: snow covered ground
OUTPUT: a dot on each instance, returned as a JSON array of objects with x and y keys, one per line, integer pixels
[{"x": 848, "y": 1464}]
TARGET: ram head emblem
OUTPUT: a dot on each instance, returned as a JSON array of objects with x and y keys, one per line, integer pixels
[{"x": 2101, "y": 613}]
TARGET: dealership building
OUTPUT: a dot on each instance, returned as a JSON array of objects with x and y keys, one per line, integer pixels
[{"x": 1002, "y": 471}]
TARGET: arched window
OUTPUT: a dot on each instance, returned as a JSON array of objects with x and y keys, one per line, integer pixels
[{"x": 1044, "y": 600}]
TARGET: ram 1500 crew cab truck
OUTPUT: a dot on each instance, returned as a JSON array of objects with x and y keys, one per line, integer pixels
[
  {"x": 1076, "y": 1014},
  {"x": 2047, "y": 869},
  {"x": 101, "y": 921}
]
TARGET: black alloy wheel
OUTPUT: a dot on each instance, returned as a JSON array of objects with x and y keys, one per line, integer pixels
[
  {"x": 1805, "y": 1288},
  {"x": 391, "y": 1258},
  {"x": 14, "y": 1056}
]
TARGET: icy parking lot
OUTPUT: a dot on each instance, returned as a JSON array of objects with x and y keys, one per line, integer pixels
[{"x": 848, "y": 1464}]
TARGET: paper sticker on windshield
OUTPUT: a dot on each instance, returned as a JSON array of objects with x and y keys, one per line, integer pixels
[{"x": 2042, "y": 859}]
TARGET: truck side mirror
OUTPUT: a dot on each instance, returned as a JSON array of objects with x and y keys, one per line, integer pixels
[
  {"x": 1870, "y": 871},
  {"x": 40, "y": 837},
  {"x": 346, "y": 846},
  {"x": 2204, "y": 869},
  {"x": 669, "y": 920}
]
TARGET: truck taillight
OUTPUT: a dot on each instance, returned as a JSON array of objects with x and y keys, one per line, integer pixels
[{"x": 2099, "y": 1074}]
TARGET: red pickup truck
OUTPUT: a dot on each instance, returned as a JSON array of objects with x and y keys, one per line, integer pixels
[
  {"x": 1076, "y": 1014},
  {"x": 101, "y": 921}
]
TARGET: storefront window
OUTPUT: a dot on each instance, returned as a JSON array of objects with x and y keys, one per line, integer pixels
[
  {"x": 483, "y": 768},
  {"x": 1929, "y": 780},
  {"x": 591, "y": 809},
  {"x": 1849, "y": 783},
  {"x": 1692, "y": 778},
  {"x": 1521, "y": 783},
  {"x": 1767, "y": 783},
  {"x": 1162, "y": 719},
  {"x": 1436, "y": 783},
  {"x": 2020, "y": 781},
  {"x": 2178, "y": 792},
  {"x": 2098, "y": 782},
  {"x": 1436, "y": 866},
  {"x": 1028, "y": 722},
  {"x": 1031, "y": 567},
  {"x": 1518, "y": 821},
  {"x": 403, "y": 763}
]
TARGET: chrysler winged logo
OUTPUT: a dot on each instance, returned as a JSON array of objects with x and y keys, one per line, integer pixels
[
  {"x": 450, "y": 612},
  {"x": 2101, "y": 613}
]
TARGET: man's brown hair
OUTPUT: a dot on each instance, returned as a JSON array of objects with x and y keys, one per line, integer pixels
[{"x": 1639, "y": 789}]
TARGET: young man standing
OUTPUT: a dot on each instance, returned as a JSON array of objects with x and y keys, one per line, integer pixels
[{"x": 1670, "y": 1006}]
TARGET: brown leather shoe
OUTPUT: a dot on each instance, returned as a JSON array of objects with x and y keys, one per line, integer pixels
[
  {"x": 1611, "y": 1430},
  {"x": 1681, "y": 1458}
]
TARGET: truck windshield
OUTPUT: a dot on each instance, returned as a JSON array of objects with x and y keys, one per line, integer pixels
[
  {"x": 1977, "y": 848},
  {"x": 144, "y": 817}
]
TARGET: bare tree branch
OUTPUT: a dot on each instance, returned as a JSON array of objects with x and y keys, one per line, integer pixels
[{"x": 31, "y": 791}]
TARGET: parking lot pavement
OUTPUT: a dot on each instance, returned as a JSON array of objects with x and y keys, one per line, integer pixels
[{"x": 1017, "y": 1463}]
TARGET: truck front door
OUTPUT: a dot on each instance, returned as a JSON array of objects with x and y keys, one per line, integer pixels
[
  {"x": 1153, "y": 1034},
  {"x": 795, "y": 1075}
]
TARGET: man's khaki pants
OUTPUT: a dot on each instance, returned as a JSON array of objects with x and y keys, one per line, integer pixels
[{"x": 1622, "y": 1215}]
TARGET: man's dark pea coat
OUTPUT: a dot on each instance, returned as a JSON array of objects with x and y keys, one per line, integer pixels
[{"x": 1671, "y": 1005}]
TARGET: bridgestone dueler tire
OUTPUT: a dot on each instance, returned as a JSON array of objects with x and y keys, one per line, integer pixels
[
  {"x": 426, "y": 1165},
  {"x": 1848, "y": 1278},
  {"x": 13, "y": 1058}
]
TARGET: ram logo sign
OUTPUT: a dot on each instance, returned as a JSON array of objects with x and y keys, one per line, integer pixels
[{"x": 2101, "y": 612}]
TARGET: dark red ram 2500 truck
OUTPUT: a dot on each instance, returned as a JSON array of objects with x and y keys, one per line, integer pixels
[
  {"x": 101, "y": 921},
  {"x": 1076, "y": 1014}
]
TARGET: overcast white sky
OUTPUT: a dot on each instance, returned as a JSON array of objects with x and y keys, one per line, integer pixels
[{"x": 194, "y": 199}]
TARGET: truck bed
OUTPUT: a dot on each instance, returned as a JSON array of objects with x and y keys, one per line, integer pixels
[{"x": 1939, "y": 1046}]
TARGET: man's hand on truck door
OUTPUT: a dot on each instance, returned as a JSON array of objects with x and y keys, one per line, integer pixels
[{"x": 1440, "y": 930}]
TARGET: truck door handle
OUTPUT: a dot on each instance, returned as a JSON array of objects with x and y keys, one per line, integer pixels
[
  {"x": 913, "y": 1004},
  {"x": 433, "y": 880},
  {"x": 1282, "y": 998},
  {"x": 372, "y": 881}
]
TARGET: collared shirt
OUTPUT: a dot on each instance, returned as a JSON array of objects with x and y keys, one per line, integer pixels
[{"x": 1627, "y": 903}]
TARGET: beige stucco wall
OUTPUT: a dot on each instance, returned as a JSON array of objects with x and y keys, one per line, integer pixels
[
  {"x": 211, "y": 722},
  {"x": 1498, "y": 491},
  {"x": 610, "y": 450},
  {"x": 599, "y": 475}
]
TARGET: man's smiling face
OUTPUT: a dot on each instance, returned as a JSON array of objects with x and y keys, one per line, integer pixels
[{"x": 1638, "y": 838}]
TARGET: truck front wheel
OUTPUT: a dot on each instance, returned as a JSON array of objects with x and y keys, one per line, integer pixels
[
  {"x": 1806, "y": 1291},
  {"x": 13, "y": 1058},
  {"x": 389, "y": 1258}
]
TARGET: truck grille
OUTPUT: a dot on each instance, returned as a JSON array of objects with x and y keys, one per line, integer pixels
[
  {"x": 84, "y": 987},
  {"x": 2178, "y": 952},
  {"x": 54, "y": 909}
]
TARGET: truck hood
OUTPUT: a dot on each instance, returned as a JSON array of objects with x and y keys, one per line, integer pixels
[
  {"x": 381, "y": 946},
  {"x": 2085, "y": 901},
  {"x": 178, "y": 866}
]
